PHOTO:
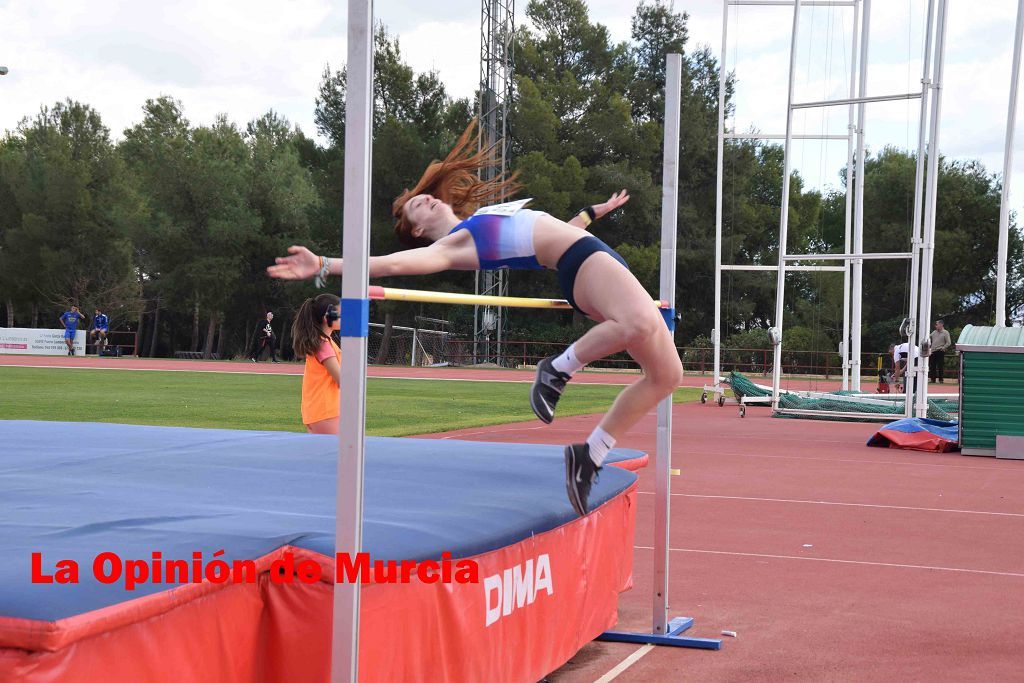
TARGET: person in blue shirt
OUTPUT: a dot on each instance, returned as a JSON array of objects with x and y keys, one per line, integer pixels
[
  {"x": 100, "y": 328},
  {"x": 70, "y": 320}
]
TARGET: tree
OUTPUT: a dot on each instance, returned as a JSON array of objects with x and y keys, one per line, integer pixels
[{"x": 71, "y": 215}]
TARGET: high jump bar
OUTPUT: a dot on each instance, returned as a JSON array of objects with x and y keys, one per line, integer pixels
[{"x": 422, "y": 296}]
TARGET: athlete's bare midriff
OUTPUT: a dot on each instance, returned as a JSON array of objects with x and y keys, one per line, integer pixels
[{"x": 551, "y": 239}]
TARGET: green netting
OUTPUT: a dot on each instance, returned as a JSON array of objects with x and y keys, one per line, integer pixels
[
  {"x": 741, "y": 386},
  {"x": 840, "y": 401}
]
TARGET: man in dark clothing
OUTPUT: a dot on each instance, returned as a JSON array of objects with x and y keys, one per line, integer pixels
[
  {"x": 264, "y": 338},
  {"x": 940, "y": 341}
]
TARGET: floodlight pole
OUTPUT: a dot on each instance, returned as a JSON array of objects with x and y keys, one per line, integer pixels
[
  {"x": 354, "y": 328},
  {"x": 918, "y": 325},
  {"x": 780, "y": 282},
  {"x": 928, "y": 244},
  {"x": 851, "y": 128},
  {"x": 716, "y": 332},
  {"x": 1004, "y": 200},
  {"x": 857, "y": 266}
]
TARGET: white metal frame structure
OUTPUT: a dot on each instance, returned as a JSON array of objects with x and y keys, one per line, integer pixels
[
  {"x": 716, "y": 387},
  {"x": 1004, "y": 202},
  {"x": 922, "y": 247}
]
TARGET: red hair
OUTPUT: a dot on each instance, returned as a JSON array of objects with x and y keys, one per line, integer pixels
[{"x": 455, "y": 182}]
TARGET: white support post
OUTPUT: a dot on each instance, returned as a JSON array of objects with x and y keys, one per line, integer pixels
[
  {"x": 412, "y": 359},
  {"x": 918, "y": 325},
  {"x": 780, "y": 292},
  {"x": 355, "y": 309},
  {"x": 669, "y": 218},
  {"x": 1004, "y": 200},
  {"x": 928, "y": 244},
  {"x": 848, "y": 218},
  {"x": 857, "y": 265},
  {"x": 716, "y": 332}
]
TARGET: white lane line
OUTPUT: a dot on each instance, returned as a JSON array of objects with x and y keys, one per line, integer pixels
[
  {"x": 856, "y": 505},
  {"x": 625, "y": 664},
  {"x": 860, "y": 462},
  {"x": 827, "y": 559}
]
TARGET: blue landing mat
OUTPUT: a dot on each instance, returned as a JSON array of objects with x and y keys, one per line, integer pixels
[{"x": 74, "y": 490}]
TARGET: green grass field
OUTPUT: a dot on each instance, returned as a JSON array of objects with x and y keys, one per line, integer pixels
[{"x": 395, "y": 407}]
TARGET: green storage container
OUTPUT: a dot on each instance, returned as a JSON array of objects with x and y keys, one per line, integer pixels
[{"x": 991, "y": 387}]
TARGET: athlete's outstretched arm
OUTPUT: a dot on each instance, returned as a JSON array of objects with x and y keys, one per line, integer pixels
[
  {"x": 302, "y": 264},
  {"x": 581, "y": 220}
]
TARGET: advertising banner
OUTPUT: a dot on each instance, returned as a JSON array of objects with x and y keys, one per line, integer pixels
[{"x": 38, "y": 342}]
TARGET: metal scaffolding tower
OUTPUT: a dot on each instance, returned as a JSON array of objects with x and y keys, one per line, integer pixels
[{"x": 495, "y": 94}]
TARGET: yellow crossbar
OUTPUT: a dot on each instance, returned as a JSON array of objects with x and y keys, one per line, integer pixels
[{"x": 392, "y": 294}]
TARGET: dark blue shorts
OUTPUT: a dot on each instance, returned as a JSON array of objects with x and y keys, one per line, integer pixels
[
  {"x": 69, "y": 334},
  {"x": 569, "y": 265}
]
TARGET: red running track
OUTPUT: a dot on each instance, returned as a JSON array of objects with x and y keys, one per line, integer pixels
[{"x": 831, "y": 560}]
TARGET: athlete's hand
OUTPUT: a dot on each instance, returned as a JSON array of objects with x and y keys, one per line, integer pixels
[
  {"x": 302, "y": 264},
  {"x": 614, "y": 202}
]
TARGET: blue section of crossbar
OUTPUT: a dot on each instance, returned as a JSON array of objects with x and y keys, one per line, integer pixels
[{"x": 672, "y": 639}]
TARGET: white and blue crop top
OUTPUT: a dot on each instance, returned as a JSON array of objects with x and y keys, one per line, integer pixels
[{"x": 503, "y": 235}]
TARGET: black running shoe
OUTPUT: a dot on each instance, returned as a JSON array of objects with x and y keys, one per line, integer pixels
[
  {"x": 580, "y": 475},
  {"x": 547, "y": 389}
]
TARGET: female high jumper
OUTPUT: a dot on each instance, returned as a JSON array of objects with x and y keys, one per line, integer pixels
[{"x": 436, "y": 218}]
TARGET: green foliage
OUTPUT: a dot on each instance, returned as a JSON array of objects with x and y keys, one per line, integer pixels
[
  {"x": 179, "y": 220},
  {"x": 69, "y": 217}
]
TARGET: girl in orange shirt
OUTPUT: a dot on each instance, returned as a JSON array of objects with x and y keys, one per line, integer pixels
[{"x": 311, "y": 337}]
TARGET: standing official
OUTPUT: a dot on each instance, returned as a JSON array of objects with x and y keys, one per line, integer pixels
[
  {"x": 265, "y": 337},
  {"x": 939, "y": 341}
]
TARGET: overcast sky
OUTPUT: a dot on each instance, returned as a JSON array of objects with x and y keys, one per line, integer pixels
[{"x": 245, "y": 57}]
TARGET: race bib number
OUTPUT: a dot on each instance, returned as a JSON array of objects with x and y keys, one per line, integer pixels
[{"x": 506, "y": 209}]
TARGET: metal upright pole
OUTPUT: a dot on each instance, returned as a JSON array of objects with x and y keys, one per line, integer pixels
[
  {"x": 354, "y": 326},
  {"x": 1004, "y": 200},
  {"x": 848, "y": 220},
  {"x": 669, "y": 218},
  {"x": 716, "y": 333},
  {"x": 918, "y": 325},
  {"x": 857, "y": 274},
  {"x": 928, "y": 245},
  {"x": 780, "y": 291}
]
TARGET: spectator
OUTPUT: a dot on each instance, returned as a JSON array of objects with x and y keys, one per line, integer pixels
[
  {"x": 311, "y": 339},
  {"x": 939, "y": 341},
  {"x": 264, "y": 338},
  {"x": 100, "y": 329},
  {"x": 70, "y": 320}
]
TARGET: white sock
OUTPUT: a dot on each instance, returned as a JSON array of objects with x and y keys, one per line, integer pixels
[
  {"x": 568, "y": 362},
  {"x": 600, "y": 443}
]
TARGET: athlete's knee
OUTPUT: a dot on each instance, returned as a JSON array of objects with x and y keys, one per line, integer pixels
[
  {"x": 641, "y": 328},
  {"x": 667, "y": 375}
]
